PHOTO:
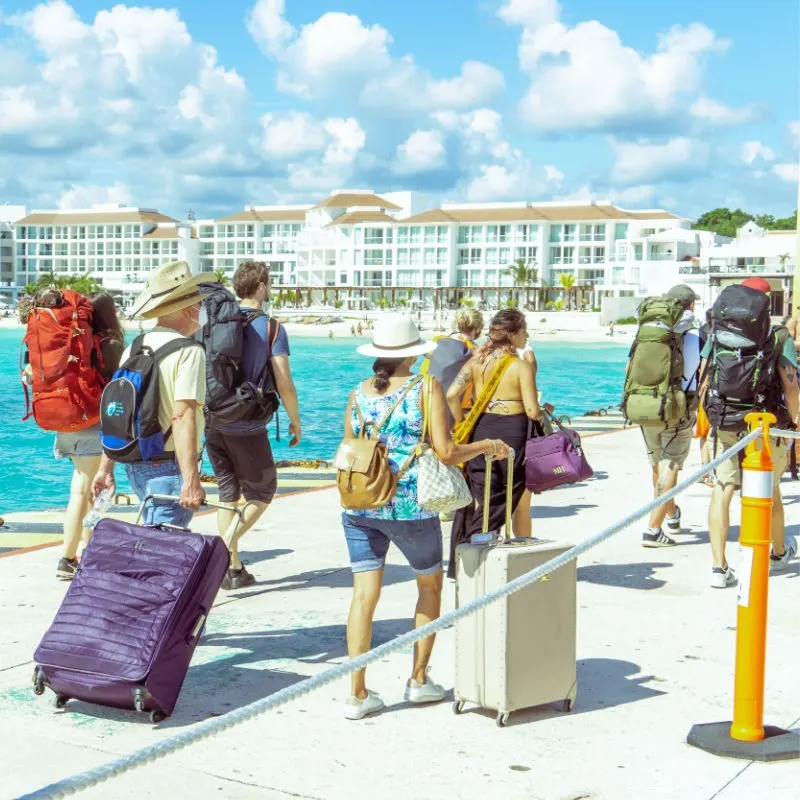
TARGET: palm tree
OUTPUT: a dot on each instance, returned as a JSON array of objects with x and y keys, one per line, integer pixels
[
  {"x": 221, "y": 277},
  {"x": 566, "y": 280},
  {"x": 83, "y": 284},
  {"x": 783, "y": 259}
]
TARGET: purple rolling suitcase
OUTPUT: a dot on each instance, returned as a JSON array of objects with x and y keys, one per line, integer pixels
[{"x": 131, "y": 618}]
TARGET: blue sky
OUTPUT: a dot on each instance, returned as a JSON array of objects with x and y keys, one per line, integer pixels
[{"x": 214, "y": 105}]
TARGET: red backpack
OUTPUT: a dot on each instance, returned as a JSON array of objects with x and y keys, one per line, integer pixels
[{"x": 60, "y": 342}]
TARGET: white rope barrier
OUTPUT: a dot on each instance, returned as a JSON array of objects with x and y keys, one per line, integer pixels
[{"x": 216, "y": 725}]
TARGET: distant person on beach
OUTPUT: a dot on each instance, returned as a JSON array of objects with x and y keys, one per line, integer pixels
[
  {"x": 779, "y": 395},
  {"x": 84, "y": 448},
  {"x": 173, "y": 298},
  {"x": 240, "y": 452},
  {"x": 360, "y": 329},
  {"x": 417, "y": 533},
  {"x": 667, "y": 448},
  {"x": 506, "y": 401},
  {"x": 352, "y": 330}
]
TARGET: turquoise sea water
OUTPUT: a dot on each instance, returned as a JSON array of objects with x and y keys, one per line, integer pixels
[{"x": 574, "y": 377}]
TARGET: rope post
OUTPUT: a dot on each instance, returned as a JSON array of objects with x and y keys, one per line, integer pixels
[
  {"x": 751, "y": 624},
  {"x": 747, "y": 737}
]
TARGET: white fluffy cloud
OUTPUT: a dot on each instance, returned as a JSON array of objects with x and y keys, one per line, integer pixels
[
  {"x": 337, "y": 55},
  {"x": 291, "y": 134},
  {"x": 86, "y": 195},
  {"x": 787, "y": 172},
  {"x": 583, "y": 78},
  {"x": 642, "y": 162},
  {"x": 716, "y": 113},
  {"x": 421, "y": 152},
  {"x": 752, "y": 150}
]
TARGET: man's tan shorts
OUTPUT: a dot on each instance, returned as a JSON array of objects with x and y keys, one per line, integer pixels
[
  {"x": 670, "y": 446},
  {"x": 729, "y": 473}
]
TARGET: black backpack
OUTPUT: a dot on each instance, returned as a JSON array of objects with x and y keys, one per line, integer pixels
[
  {"x": 230, "y": 396},
  {"x": 742, "y": 364},
  {"x": 130, "y": 430}
]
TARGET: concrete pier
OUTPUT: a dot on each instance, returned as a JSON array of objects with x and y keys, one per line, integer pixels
[{"x": 655, "y": 650}]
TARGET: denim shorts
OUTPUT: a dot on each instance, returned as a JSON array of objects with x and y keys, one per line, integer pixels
[
  {"x": 368, "y": 540},
  {"x": 78, "y": 445},
  {"x": 163, "y": 477}
]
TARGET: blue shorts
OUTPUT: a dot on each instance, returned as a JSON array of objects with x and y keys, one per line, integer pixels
[
  {"x": 368, "y": 540},
  {"x": 163, "y": 477}
]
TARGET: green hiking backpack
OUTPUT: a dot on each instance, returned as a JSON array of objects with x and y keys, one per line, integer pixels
[{"x": 653, "y": 393}]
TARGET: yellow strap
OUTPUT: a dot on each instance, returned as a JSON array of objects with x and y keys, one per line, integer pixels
[{"x": 463, "y": 429}]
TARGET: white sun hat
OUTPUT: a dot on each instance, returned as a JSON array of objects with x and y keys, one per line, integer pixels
[{"x": 396, "y": 336}]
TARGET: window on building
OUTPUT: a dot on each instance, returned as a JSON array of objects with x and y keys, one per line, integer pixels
[
  {"x": 442, "y": 234},
  {"x": 638, "y": 252},
  {"x": 585, "y": 255},
  {"x": 441, "y": 255},
  {"x": 527, "y": 254},
  {"x": 416, "y": 255},
  {"x": 621, "y": 230},
  {"x": 599, "y": 255},
  {"x": 267, "y": 231},
  {"x": 491, "y": 255},
  {"x": 372, "y": 235},
  {"x": 415, "y": 234},
  {"x": 402, "y": 234},
  {"x": 429, "y": 255},
  {"x": 373, "y": 257},
  {"x": 402, "y": 256},
  {"x": 430, "y": 234}
]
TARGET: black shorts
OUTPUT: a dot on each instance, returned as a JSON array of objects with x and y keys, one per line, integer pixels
[{"x": 243, "y": 465}]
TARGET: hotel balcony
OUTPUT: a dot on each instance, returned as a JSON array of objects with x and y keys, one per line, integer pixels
[{"x": 767, "y": 266}]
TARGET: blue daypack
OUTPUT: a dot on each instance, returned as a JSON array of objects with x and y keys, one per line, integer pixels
[{"x": 129, "y": 422}]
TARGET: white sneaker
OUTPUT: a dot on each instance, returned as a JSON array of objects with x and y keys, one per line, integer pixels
[
  {"x": 358, "y": 709},
  {"x": 428, "y": 692},
  {"x": 722, "y": 578},
  {"x": 673, "y": 524},
  {"x": 779, "y": 563}
]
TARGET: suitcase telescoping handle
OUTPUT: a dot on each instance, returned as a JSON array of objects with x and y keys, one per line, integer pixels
[
  {"x": 509, "y": 493},
  {"x": 175, "y": 499}
]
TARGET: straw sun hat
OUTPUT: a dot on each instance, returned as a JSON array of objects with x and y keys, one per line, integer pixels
[
  {"x": 169, "y": 289},
  {"x": 396, "y": 336}
]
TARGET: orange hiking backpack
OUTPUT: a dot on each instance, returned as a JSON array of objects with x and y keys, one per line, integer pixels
[{"x": 65, "y": 384}]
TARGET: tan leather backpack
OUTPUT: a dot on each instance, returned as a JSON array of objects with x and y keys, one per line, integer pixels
[{"x": 363, "y": 474}]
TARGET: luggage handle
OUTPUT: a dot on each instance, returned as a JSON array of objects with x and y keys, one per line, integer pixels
[
  {"x": 175, "y": 499},
  {"x": 509, "y": 493}
]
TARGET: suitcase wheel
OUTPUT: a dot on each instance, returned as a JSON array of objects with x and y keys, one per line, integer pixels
[
  {"x": 157, "y": 716},
  {"x": 458, "y": 706},
  {"x": 567, "y": 705},
  {"x": 61, "y": 700},
  {"x": 38, "y": 682},
  {"x": 502, "y": 719}
]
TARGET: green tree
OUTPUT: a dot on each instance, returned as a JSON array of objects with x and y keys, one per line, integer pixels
[
  {"x": 467, "y": 302},
  {"x": 522, "y": 273},
  {"x": 723, "y": 221},
  {"x": 383, "y": 302},
  {"x": 221, "y": 277},
  {"x": 84, "y": 284},
  {"x": 566, "y": 280}
]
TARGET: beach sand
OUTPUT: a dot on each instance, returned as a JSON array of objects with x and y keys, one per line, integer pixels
[{"x": 572, "y": 327}]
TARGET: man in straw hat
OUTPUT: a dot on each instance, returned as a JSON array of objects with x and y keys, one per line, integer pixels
[{"x": 173, "y": 298}]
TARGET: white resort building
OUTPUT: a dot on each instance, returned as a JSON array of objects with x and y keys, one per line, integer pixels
[
  {"x": 115, "y": 244},
  {"x": 357, "y": 246}
]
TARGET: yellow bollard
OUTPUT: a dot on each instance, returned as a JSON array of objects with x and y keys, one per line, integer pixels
[
  {"x": 747, "y": 737},
  {"x": 754, "y": 545}
]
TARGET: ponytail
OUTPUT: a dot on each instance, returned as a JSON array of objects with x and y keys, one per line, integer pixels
[{"x": 384, "y": 369}]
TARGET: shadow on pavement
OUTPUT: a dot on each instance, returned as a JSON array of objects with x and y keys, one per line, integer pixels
[
  {"x": 257, "y": 556},
  {"x": 602, "y": 683},
  {"x": 332, "y": 578},
  {"x": 628, "y": 576},
  {"x": 553, "y": 512}
]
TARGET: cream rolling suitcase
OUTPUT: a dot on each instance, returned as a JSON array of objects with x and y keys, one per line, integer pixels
[{"x": 519, "y": 651}]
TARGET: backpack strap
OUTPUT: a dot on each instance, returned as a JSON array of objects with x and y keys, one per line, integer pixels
[{"x": 175, "y": 346}]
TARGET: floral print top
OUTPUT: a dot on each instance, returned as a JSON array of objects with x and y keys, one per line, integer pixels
[{"x": 401, "y": 434}]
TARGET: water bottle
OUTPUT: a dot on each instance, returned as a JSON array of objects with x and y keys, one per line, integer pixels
[{"x": 101, "y": 505}]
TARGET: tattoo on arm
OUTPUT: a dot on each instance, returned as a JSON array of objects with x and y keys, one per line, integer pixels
[{"x": 790, "y": 374}]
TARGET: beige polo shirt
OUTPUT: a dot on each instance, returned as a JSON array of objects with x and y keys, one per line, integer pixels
[{"x": 181, "y": 376}]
